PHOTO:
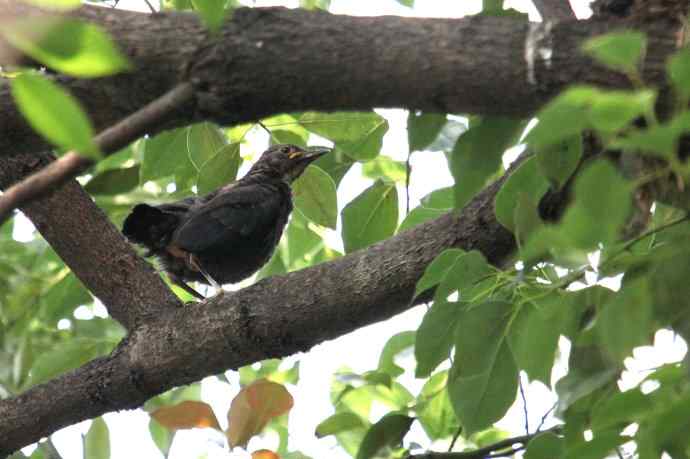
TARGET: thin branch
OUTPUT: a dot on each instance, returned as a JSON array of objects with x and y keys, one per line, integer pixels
[
  {"x": 455, "y": 439},
  {"x": 494, "y": 450},
  {"x": 524, "y": 405},
  {"x": 109, "y": 141},
  {"x": 550, "y": 10},
  {"x": 408, "y": 172},
  {"x": 546, "y": 415},
  {"x": 151, "y": 8}
]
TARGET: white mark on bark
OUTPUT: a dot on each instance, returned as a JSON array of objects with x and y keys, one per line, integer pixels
[{"x": 538, "y": 44}]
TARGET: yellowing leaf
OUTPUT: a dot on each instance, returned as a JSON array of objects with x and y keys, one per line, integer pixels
[
  {"x": 264, "y": 454},
  {"x": 186, "y": 415},
  {"x": 253, "y": 407}
]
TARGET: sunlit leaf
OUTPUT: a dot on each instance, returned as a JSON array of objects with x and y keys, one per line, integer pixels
[
  {"x": 618, "y": 50},
  {"x": 54, "y": 113},
  {"x": 56, "y": 4},
  {"x": 220, "y": 169},
  {"x": 370, "y": 217},
  {"x": 394, "y": 346},
  {"x": 434, "y": 410},
  {"x": 385, "y": 168},
  {"x": 212, "y": 12},
  {"x": 68, "y": 45},
  {"x": 315, "y": 196},
  {"x": 253, "y": 407},
  {"x": 97, "y": 440},
  {"x": 186, "y": 415},
  {"x": 678, "y": 69},
  {"x": 526, "y": 179},
  {"x": 337, "y": 423},
  {"x": 359, "y": 135},
  {"x": 114, "y": 181}
]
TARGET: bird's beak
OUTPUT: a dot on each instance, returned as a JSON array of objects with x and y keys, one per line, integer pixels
[{"x": 314, "y": 153}]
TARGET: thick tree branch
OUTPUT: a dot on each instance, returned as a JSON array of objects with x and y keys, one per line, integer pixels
[
  {"x": 91, "y": 246},
  {"x": 268, "y": 61},
  {"x": 276, "y": 317},
  {"x": 109, "y": 141}
]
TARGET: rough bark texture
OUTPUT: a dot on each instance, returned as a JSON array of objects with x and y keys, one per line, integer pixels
[
  {"x": 92, "y": 247},
  {"x": 276, "y": 317},
  {"x": 269, "y": 60},
  {"x": 264, "y": 62}
]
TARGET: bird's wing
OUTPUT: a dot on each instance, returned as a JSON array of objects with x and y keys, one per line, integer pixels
[{"x": 228, "y": 216}]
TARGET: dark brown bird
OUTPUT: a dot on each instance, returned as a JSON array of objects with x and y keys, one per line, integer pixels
[{"x": 230, "y": 233}]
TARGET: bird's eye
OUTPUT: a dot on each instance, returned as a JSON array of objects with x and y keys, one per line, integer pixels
[{"x": 285, "y": 150}]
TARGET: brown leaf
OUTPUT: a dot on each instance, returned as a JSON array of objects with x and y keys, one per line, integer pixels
[
  {"x": 186, "y": 415},
  {"x": 264, "y": 454},
  {"x": 254, "y": 406}
]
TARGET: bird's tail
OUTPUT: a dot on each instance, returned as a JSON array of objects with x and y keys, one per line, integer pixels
[{"x": 149, "y": 226}]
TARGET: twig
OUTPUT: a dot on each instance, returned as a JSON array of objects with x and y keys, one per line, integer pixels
[
  {"x": 546, "y": 415},
  {"x": 494, "y": 450},
  {"x": 455, "y": 439},
  {"x": 109, "y": 141},
  {"x": 554, "y": 9},
  {"x": 153, "y": 10},
  {"x": 524, "y": 405}
]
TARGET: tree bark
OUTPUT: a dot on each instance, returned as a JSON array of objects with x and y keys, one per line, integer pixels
[{"x": 269, "y": 60}]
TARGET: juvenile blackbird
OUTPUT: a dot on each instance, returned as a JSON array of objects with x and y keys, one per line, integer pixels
[{"x": 230, "y": 233}]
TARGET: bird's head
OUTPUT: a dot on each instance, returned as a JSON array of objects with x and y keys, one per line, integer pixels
[{"x": 287, "y": 161}]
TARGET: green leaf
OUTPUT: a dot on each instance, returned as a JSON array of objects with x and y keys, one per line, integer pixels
[
  {"x": 359, "y": 135},
  {"x": 436, "y": 335},
  {"x": 314, "y": 4},
  {"x": 114, "y": 181},
  {"x": 558, "y": 161},
  {"x": 538, "y": 326},
  {"x": 477, "y": 154},
  {"x": 337, "y": 423},
  {"x": 678, "y": 69},
  {"x": 68, "y": 45},
  {"x": 62, "y": 5},
  {"x": 621, "y": 409},
  {"x": 601, "y": 207},
  {"x": 525, "y": 179},
  {"x": 386, "y": 168},
  {"x": 161, "y": 436},
  {"x": 407, "y": 3},
  {"x": 526, "y": 217},
  {"x": 614, "y": 110},
  {"x": 438, "y": 269},
  {"x": 54, "y": 113},
  {"x": 204, "y": 141},
  {"x": 618, "y": 50},
  {"x": 423, "y": 128},
  {"x": 634, "y": 302},
  {"x": 394, "y": 346},
  {"x": 660, "y": 139},
  {"x": 165, "y": 155},
  {"x": 370, "y": 217},
  {"x": 598, "y": 447},
  {"x": 97, "y": 440},
  {"x": 63, "y": 297},
  {"x": 212, "y": 12},
  {"x": 483, "y": 379},
  {"x": 419, "y": 215},
  {"x": 336, "y": 164},
  {"x": 546, "y": 445},
  {"x": 63, "y": 356},
  {"x": 315, "y": 196},
  {"x": 564, "y": 117},
  {"x": 220, "y": 169},
  {"x": 388, "y": 431},
  {"x": 434, "y": 410}
]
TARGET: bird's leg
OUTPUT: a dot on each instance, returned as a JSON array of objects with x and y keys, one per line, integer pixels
[
  {"x": 180, "y": 283},
  {"x": 194, "y": 263}
]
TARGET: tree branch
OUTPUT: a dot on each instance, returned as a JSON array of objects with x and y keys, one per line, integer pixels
[
  {"x": 268, "y": 60},
  {"x": 482, "y": 453},
  {"x": 109, "y": 141},
  {"x": 91, "y": 246},
  {"x": 275, "y": 317}
]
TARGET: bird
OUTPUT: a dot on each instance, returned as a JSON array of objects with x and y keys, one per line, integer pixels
[{"x": 228, "y": 234}]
